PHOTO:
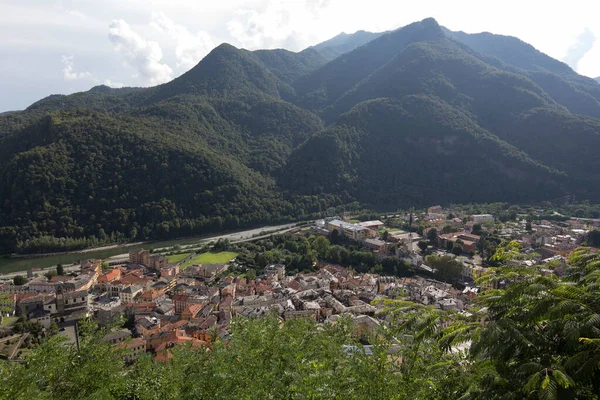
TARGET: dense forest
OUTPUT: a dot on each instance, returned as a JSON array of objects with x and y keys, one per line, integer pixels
[
  {"x": 412, "y": 117},
  {"x": 535, "y": 337}
]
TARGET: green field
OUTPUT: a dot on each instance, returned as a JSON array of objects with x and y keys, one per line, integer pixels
[
  {"x": 210, "y": 258},
  {"x": 177, "y": 257},
  {"x": 8, "y": 320}
]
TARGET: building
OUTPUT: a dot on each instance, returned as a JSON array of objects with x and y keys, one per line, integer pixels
[
  {"x": 128, "y": 294},
  {"x": 106, "y": 279},
  {"x": 69, "y": 302},
  {"x": 139, "y": 257},
  {"x": 434, "y": 210},
  {"x": 157, "y": 262},
  {"x": 169, "y": 271},
  {"x": 481, "y": 218},
  {"x": 133, "y": 349},
  {"x": 117, "y": 336},
  {"x": 373, "y": 225},
  {"x": 353, "y": 231},
  {"x": 410, "y": 239},
  {"x": 275, "y": 270},
  {"x": 143, "y": 257},
  {"x": 41, "y": 284},
  {"x": 469, "y": 241}
]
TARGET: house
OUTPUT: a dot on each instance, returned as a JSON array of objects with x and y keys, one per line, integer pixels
[
  {"x": 191, "y": 311},
  {"x": 434, "y": 210},
  {"x": 169, "y": 271},
  {"x": 41, "y": 284},
  {"x": 128, "y": 294},
  {"x": 275, "y": 270},
  {"x": 140, "y": 257},
  {"x": 69, "y": 302},
  {"x": 117, "y": 336},
  {"x": 107, "y": 315},
  {"x": 146, "y": 326},
  {"x": 469, "y": 241},
  {"x": 374, "y": 244},
  {"x": 143, "y": 257},
  {"x": 133, "y": 349},
  {"x": 105, "y": 279},
  {"x": 38, "y": 305},
  {"x": 92, "y": 266}
]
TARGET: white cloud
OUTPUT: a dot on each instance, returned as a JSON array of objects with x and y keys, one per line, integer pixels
[
  {"x": 112, "y": 84},
  {"x": 69, "y": 73},
  {"x": 143, "y": 55},
  {"x": 189, "y": 48},
  {"x": 585, "y": 43},
  {"x": 279, "y": 24}
]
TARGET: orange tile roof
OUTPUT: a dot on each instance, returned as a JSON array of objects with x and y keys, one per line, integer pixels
[
  {"x": 163, "y": 356},
  {"x": 110, "y": 275}
]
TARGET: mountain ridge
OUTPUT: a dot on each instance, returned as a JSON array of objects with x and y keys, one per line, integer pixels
[{"x": 408, "y": 117}]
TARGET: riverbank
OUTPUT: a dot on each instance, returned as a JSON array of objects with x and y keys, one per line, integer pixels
[{"x": 12, "y": 265}]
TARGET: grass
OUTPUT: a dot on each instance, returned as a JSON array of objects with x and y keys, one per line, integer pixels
[
  {"x": 210, "y": 258},
  {"x": 391, "y": 231},
  {"x": 354, "y": 221},
  {"x": 8, "y": 320},
  {"x": 177, "y": 257}
]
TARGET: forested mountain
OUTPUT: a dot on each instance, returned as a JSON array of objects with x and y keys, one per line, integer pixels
[
  {"x": 415, "y": 116},
  {"x": 344, "y": 43}
]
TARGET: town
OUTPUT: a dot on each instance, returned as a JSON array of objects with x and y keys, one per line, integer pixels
[{"x": 148, "y": 303}]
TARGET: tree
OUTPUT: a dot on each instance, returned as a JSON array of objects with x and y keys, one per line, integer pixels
[
  {"x": 385, "y": 235},
  {"x": 457, "y": 248},
  {"x": 433, "y": 237},
  {"x": 251, "y": 274},
  {"x": 528, "y": 226},
  {"x": 321, "y": 246},
  {"x": 446, "y": 267},
  {"x": 594, "y": 238},
  {"x": 550, "y": 330},
  {"x": 60, "y": 270},
  {"x": 477, "y": 229},
  {"x": 50, "y": 274},
  {"x": 20, "y": 280},
  {"x": 423, "y": 245}
]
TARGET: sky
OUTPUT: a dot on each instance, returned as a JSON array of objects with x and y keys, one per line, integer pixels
[{"x": 65, "y": 46}]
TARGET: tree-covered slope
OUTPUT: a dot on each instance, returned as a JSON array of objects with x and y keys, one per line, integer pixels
[
  {"x": 289, "y": 66},
  {"x": 418, "y": 150},
  {"x": 408, "y": 117},
  {"x": 580, "y": 94},
  {"x": 322, "y": 87}
]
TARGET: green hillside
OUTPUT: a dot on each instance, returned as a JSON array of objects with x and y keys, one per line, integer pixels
[{"x": 415, "y": 116}]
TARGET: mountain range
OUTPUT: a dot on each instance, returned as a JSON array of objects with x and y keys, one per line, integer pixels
[{"x": 415, "y": 116}]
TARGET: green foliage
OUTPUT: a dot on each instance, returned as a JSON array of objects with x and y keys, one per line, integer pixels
[
  {"x": 19, "y": 280},
  {"x": 542, "y": 332},
  {"x": 232, "y": 143},
  {"x": 447, "y": 268}
]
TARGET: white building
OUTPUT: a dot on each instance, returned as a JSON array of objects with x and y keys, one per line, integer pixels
[{"x": 481, "y": 218}]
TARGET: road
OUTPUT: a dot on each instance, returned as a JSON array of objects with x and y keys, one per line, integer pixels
[{"x": 242, "y": 236}]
